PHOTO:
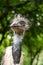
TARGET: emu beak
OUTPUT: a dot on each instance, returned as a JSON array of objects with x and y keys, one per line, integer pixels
[{"x": 11, "y": 26}]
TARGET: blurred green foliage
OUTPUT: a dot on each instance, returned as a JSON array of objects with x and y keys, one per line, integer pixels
[{"x": 33, "y": 39}]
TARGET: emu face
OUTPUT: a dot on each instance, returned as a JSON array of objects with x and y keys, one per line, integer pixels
[{"x": 19, "y": 25}]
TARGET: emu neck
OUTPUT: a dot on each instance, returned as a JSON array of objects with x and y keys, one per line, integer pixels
[
  {"x": 16, "y": 48},
  {"x": 17, "y": 38}
]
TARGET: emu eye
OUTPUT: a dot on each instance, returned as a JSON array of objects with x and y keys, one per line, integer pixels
[{"x": 22, "y": 23}]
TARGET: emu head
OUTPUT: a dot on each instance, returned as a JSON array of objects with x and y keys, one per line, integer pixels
[{"x": 19, "y": 24}]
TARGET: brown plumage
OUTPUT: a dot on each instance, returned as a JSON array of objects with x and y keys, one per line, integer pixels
[{"x": 18, "y": 30}]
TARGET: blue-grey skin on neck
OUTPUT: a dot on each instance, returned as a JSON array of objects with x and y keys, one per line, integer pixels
[{"x": 16, "y": 48}]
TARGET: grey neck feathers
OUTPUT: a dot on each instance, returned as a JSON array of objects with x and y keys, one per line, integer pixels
[{"x": 16, "y": 48}]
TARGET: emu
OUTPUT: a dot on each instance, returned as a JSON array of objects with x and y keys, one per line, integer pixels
[{"x": 13, "y": 54}]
